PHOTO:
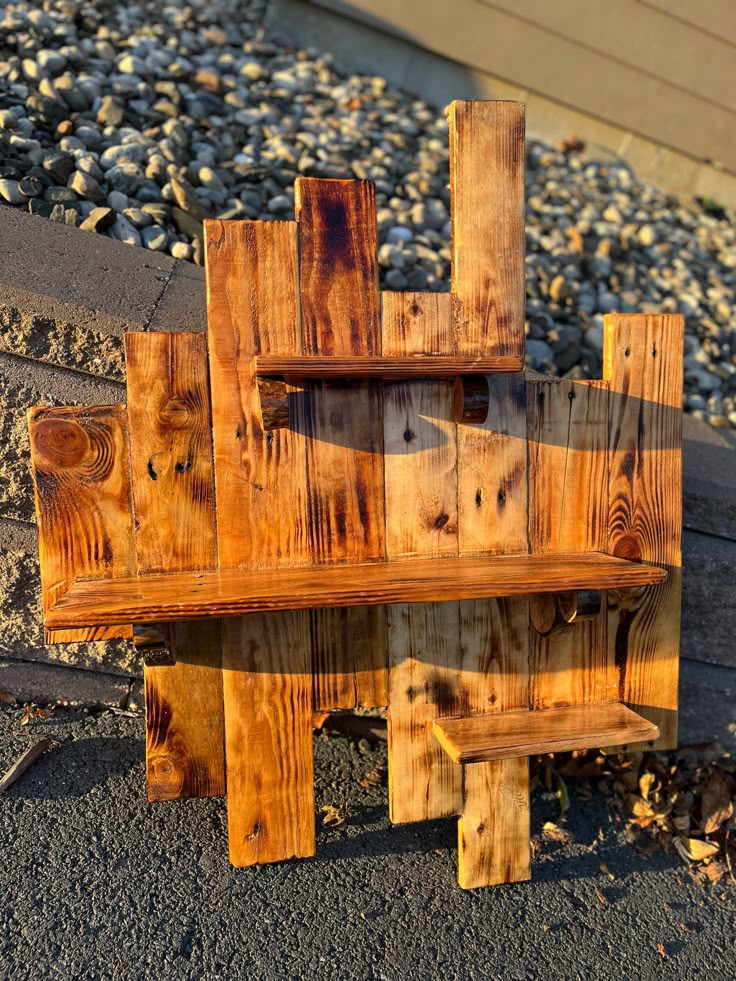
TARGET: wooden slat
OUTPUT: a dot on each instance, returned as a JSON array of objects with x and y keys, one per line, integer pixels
[
  {"x": 182, "y": 596},
  {"x": 81, "y": 475},
  {"x": 174, "y": 495},
  {"x": 568, "y": 512},
  {"x": 506, "y": 735},
  {"x": 420, "y": 446},
  {"x": 338, "y": 282},
  {"x": 252, "y": 306},
  {"x": 487, "y": 220},
  {"x": 270, "y": 779},
  {"x": 386, "y": 368},
  {"x": 642, "y": 360},
  {"x": 487, "y": 188}
]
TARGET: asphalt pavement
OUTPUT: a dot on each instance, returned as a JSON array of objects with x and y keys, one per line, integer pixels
[{"x": 96, "y": 883}]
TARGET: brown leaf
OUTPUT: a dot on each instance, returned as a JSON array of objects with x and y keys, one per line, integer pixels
[
  {"x": 717, "y": 806},
  {"x": 602, "y": 898},
  {"x": 555, "y": 833},
  {"x": 375, "y": 777},
  {"x": 7, "y": 698},
  {"x": 646, "y": 783},
  {"x": 334, "y": 816},
  {"x": 661, "y": 951},
  {"x": 695, "y": 850},
  {"x": 33, "y": 712}
]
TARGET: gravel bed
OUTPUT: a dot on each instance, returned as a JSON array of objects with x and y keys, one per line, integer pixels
[{"x": 138, "y": 120}]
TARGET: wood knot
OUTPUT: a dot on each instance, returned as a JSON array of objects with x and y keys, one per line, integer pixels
[
  {"x": 62, "y": 442},
  {"x": 409, "y": 435},
  {"x": 628, "y": 547},
  {"x": 175, "y": 414}
]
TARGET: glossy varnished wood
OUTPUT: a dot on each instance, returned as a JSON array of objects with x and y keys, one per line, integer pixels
[
  {"x": 81, "y": 474},
  {"x": 188, "y": 595},
  {"x": 253, "y": 306},
  {"x": 487, "y": 220},
  {"x": 507, "y": 735},
  {"x": 642, "y": 361},
  {"x": 394, "y": 368},
  {"x": 342, "y": 425},
  {"x": 174, "y": 496},
  {"x": 568, "y": 512},
  {"x": 420, "y": 447}
]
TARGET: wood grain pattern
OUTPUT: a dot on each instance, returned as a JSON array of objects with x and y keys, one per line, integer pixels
[
  {"x": 492, "y": 473},
  {"x": 186, "y": 596},
  {"x": 505, "y": 735},
  {"x": 493, "y": 848},
  {"x": 174, "y": 494},
  {"x": 568, "y": 512},
  {"x": 487, "y": 218},
  {"x": 185, "y": 754},
  {"x": 252, "y": 306},
  {"x": 420, "y": 446},
  {"x": 387, "y": 368},
  {"x": 267, "y": 689},
  {"x": 342, "y": 422},
  {"x": 81, "y": 476},
  {"x": 487, "y": 221},
  {"x": 642, "y": 359}
]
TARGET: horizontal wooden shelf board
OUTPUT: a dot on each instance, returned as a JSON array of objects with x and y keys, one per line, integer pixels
[
  {"x": 508, "y": 735},
  {"x": 416, "y": 366},
  {"x": 192, "y": 595}
]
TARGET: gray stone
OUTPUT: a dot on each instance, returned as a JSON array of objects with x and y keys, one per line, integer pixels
[
  {"x": 86, "y": 187},
  {"x": 98, "y": 219},
  {"x": 154, "y": 237},
  {"x": 123, "y": 231},
  {"x": 111, "y": 111},
  {"x": 10, "y": 191}
]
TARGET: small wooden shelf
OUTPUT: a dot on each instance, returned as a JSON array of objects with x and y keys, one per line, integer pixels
[
  {"x": 511, "y": 735},
  {"x": 192, "y": 595},
  {"x": 414, "y": 367}
]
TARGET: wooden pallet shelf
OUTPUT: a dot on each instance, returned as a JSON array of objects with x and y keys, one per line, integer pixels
[
  {"x": 512, "y": 735},
  {"x": 191, "y": 595},
  {"x": 410, "y": 368}
]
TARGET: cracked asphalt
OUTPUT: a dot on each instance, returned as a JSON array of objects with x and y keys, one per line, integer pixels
[{"x": 95, "y": 883}]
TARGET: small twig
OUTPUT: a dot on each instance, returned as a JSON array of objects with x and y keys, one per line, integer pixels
[
  {"x": 728, "y": 859},
  {"x": 26, "y": 760}
]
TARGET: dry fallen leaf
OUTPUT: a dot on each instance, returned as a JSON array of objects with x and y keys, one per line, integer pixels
[
  {"x": 33, "y": 712},
  {"x": 661, "y": 951},
  {"x": 694, "y": 850},
  {"x": 555, "y": 833},
  {"x": 646, "y": 783},
  {"x": 717, "y": 806},
  {"x": 606, "y": 871},
  {"x": 602, "y": 898},
  {"x": 333, "y": 816},
  {"x": 376, "y": 777}
]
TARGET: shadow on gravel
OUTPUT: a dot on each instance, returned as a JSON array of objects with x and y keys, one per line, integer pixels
[{"x": 78, "y": 766}]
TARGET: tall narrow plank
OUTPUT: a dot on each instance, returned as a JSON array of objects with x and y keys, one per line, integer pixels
[
  {"x": 487, "y": 220},
  {"x": 487, "y": 201},
  {"x": 420, "y": 446},
  {"x": 174, "y": 494},
  {"x": 81, "y": 475},
  {"x": 642, "y": 357},
  {"x": 252, "y": 308},
  {"x": 270, "y": 776},
  {"x": 568, "y": 512},
  {"x": 342, "y": 424}
]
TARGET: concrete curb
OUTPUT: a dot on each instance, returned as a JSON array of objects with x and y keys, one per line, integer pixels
[{"x": 139, "y": 290}]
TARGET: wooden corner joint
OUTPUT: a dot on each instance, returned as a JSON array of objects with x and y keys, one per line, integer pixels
[{"x": 155, "y": 643}]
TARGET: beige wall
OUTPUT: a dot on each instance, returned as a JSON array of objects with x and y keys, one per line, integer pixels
[{"x": 657, "y": 76}]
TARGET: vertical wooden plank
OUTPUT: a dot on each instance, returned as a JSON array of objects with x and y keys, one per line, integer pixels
[
  {"x": 487, "y": 195},
  {"x": 266, "y": 679},
  {"x": 252, "y": 307},
  {"x": 487, "y": 188},
  {"x": 642, "y": 358},
  {"x": 420, "y": 445},
  {"x": 568, "y": 512},
  {"x": 174, "y": 494},
  {"x": 342, "y": 424},
  {"x": 81, "y": 475}
]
